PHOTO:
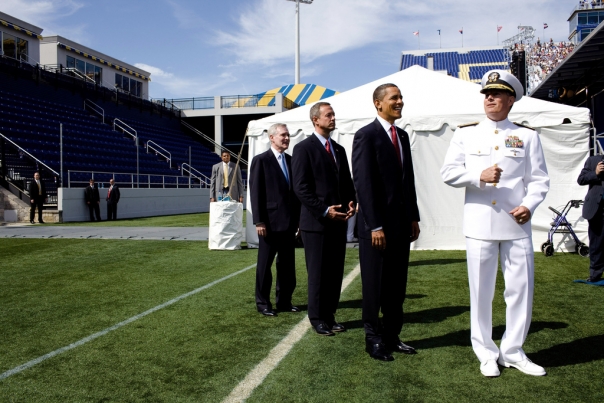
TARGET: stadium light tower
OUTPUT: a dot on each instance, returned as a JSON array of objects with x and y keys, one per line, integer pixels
[{"x": 297, "y": 78}]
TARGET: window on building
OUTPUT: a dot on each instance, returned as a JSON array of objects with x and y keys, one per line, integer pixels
[
  {"x": 592, "y": 18},
  {"x": 9, "y": 45},
  {"x": 90, "y": 70},
  {"x": 22, "y": 53},
  {"x": 128, "y": 84},
  {"x": 98, "y": 75},
  {"x": 70, "y": 62},
  {"x": 582, "y": 18},
  {"x": 80, "y": 66}
]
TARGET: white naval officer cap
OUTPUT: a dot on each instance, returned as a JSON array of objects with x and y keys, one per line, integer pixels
[{"x": 502, "y": 80}]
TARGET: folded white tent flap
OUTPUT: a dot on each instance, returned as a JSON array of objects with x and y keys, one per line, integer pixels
[{"x": 226, "y": 226}]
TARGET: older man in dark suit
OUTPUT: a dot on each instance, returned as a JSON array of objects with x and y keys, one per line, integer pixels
[
  {"x": 387, "y": 221},
  {"x": 323, "y": 184},
  {"x": 592, "y": 174},
  {"x": 37, "y": 195},
  {"x": 276, "y": 213}
]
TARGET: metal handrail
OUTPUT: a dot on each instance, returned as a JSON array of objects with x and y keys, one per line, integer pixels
[
  {"x": 120, "y": 124},
  {"x": 92, "y": 106},
  {"x": 195, "y": 173},
  {"x": 149, "y": 145},
  {"x": 79, "y": 74},
  {"x": 211, "y": 140},
  {"x": 133, "y": 182},
  {"x": 29, "y": 155}
]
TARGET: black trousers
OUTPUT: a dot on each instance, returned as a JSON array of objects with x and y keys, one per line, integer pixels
[
  {"x": 325, "y": 253},
  {"x": 596, "y": 244},
  {"x": 94, "y": 209},
  {"x": 384, "y": 279},
  {"x": 282, "y": 245},
  {"x": 39, "y": 203},
  {"x": 111, "y": 210}
]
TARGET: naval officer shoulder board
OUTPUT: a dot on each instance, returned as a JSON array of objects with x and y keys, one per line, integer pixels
[
  {"x": 467, "y": 124},
  {"x": 521, "y": 125}
]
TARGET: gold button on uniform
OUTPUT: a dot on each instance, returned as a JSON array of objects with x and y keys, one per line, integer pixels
[
  {"x": 494, "y": 184},
  {"x": 478, "y": 151},
  {"x": 494, "y": 202},
  {"x": 496, "y": 147},
  {"x": 496, "y": 131}
]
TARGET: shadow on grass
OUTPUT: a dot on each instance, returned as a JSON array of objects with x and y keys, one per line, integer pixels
[
  {"x": 462, "y": 337},
  {"x": 427, "y": 316},
  {"x": 435, "y": 262},
  {"x": 358, "y": 303},
  {"x": 578, "y": 351}
]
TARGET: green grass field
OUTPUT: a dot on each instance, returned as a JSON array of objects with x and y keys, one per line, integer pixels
[
  {"x": 181, "y": 220},
  {"x": 56, "y": 292}
]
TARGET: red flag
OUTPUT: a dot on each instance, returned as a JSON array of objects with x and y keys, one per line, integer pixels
[
  {"x": 544, "y": 25},
  {"x": 499, "y": 28},
  {"x": 416, "y": 33},
  {"x": 461, "y": 31}
]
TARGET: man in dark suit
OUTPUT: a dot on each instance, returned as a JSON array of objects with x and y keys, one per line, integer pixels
[
  {"x": 387, "y": 222},
  {"x": 592, "y": 174},
  {"x": 93, "y": 200},
  {"x": 324, "y": 187},
  {"x": 37, "y": 195},
  {"x": 276, "y": 214},
  {"x": 113, "y": 197}
]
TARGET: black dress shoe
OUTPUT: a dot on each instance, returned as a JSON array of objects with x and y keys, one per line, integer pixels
[
  {"x": 290, "y": 309},
  {"x": 379, "y": 352},
  {"x": 31, "y": 222},
  {"x": 323, "y": 330},
  {"x": 593, "y": 280},
  {"x": 337, "y": 328},
  {"x": 268, "y": 312},
  {"x": 400, "y": 347},
  {"x": 41, "y": 222}
]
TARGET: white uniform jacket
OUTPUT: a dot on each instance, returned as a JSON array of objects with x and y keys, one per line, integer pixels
[{"x": 524, "y": 180}]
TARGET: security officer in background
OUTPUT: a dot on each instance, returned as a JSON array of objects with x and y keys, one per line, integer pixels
[
  {"x": 592, "y": 174},
  {"x": 502, "y": 167}
]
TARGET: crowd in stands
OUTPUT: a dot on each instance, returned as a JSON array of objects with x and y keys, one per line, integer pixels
[
  {"x": 586, "y": 4},
  {"x": 542, "y": 58}
]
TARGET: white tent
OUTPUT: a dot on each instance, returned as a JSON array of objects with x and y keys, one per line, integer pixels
[{"x": 434, "y": 105}]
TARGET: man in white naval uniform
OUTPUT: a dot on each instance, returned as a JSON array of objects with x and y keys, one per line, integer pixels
[{"x": 502, "y": 167}]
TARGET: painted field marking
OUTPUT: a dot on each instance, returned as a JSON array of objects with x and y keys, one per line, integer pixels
[
  {"x": 85, "y": 340},
  {"x": 255, "y": 377}
]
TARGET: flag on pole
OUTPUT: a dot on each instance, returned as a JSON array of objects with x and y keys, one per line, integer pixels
[
  {"x": 438, "y": 31},
  {"x": 416, "y": 33},
  {"x": 499, "y": 28},
  {"x": 461, "y": 31},
  {"x": 544, "y": 25}
]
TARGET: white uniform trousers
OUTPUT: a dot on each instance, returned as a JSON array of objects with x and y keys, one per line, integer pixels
[{"x": 517, "y": 265}]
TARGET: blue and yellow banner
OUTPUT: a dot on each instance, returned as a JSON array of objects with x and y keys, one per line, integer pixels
[{"x": 20, "y": 29}]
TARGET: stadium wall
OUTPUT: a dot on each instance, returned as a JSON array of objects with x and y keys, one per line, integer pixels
[{"x": 136, "y": 203}]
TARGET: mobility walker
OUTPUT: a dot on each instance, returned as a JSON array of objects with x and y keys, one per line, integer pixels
[{"x": 561, "y": 226}]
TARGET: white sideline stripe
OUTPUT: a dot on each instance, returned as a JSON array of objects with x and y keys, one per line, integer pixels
[
  {"x": 278, "y": 353},
  {"x": 85, "y": 340}
]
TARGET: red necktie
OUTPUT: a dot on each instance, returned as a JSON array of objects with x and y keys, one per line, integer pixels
[
  {"x": 395, "y": 144},
  {"x": 328, "y": 148}
]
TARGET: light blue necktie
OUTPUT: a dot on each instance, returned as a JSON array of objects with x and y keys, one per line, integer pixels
[{"x": 283, "y": 167}]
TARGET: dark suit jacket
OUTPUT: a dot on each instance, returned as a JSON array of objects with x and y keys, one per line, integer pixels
[
  {"x": 34, "y": 192},
  {"x": 594, "y": 194},
  {"x": 92, "y": 195},
  {"x": 274, "y": 202},
  {"x": 115, "y": 194},
  {"x": 386, "y": 193},
  {"x": 319, "y": 182}
]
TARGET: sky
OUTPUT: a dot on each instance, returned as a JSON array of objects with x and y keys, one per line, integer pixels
[{"x": 195, "y": 48}]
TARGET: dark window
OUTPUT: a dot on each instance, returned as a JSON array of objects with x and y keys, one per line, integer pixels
[
  {"x": 592, "y": 18},
  {"x": 22, "y": 49},
  {"x": 80, "y": 66},
  {"x": 98, "y": 75},
  {"x": 90, "y": 71},
  {"x": 583, "y": 18},
  {"x": 139, "y": 89},
  {"x": 118, "y": 81},
  {"x": 9, "y": 45},
  {"x": 70, "y": 62}
]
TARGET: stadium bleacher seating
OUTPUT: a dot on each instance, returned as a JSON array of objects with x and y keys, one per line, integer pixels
[
  {"x": 468, "y": 66},
  {"x": 31, "y": 112}
]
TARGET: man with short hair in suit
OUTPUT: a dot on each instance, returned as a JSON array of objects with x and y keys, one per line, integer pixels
[
  {"x": 93, "y": 200},
  {"x": 322, "y": 182},
  {"x": 276, "y": 214},
  {"x": 592, "y": 174},
  {"x": 222, "y": 179},
  {"x": 387, "y": 221},
  {"x": 113, "y": 197},
  {"x": 37, "y": 195}
]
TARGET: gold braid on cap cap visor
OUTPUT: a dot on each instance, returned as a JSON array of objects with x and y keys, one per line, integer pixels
[{"x": 498, "y": 86}]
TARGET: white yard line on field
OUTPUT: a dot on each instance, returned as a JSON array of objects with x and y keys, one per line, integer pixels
[
  {"x": 85, "y": 340},
  {"x": 278, "y": 353}
]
